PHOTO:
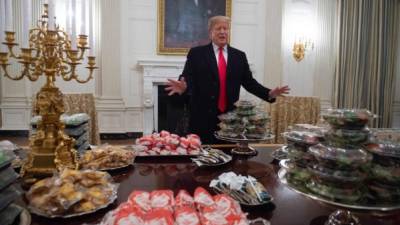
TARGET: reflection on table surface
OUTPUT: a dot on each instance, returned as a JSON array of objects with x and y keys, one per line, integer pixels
[{"x": 180, "y": 173}]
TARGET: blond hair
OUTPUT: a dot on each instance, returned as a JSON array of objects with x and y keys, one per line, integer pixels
[{"x": 215, "y": 19}]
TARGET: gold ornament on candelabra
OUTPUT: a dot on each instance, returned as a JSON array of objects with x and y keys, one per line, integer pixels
[{"x": 50, "y": 53}]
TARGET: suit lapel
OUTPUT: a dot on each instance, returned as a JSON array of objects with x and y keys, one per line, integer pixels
[
  {"x": 212, "y": 62},
  {"x": 229, "y": 65},
  {"x": 229, "y": 77}
]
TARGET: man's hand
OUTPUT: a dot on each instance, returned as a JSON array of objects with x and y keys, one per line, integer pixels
[
  {"x": 175, "y": 86},
  {"x": 278, "y": 91}
]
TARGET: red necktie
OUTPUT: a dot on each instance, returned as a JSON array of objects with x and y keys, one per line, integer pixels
[{"x": 222, "y": 81}]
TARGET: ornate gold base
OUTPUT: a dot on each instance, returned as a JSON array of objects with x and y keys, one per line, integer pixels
[{"x": 50, "y": 148}]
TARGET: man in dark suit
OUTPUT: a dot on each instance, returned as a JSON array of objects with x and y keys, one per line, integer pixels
[{"x": 211, "y": 80}]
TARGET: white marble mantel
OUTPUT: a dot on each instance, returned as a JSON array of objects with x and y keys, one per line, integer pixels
[{"x": 156, "y": 72}]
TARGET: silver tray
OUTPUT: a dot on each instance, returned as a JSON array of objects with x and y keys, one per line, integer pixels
[
  {"x": 167, "y": 156},
  {"x": 113, "y": 197},
  {"x": 360, "y": 207},
  {"x": 132, "y": 148},
  {"x": 259, "y": 221},
  {"x": 214, "y": 164},
  {"x": 25, "y": 217},
  {"x": 265, "y": 138},
  {"x": 208, "y": 148},
  {"x": 280, "y": 153},
  {"x": 241, "y": 202},
  {"x": 114, "y": 168}
]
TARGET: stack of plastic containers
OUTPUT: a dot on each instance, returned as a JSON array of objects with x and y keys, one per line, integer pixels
[
  {"x": 244, "y": 122},
  {"x": 384, "y": 180},
  {"x": 76, "y": 126},
  {"x": 341, "y": 165},
  {"x": 9, "y": 192},
  {"x": 298, "y": 156}
]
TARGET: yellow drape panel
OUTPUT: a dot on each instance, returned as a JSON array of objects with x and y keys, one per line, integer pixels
[{"x": 290, "y": 110}]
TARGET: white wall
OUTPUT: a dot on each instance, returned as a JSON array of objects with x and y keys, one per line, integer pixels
[{"x": 313, "y": 75}]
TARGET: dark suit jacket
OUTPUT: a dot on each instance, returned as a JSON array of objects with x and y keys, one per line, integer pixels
[{"x": 201, "y": 75}]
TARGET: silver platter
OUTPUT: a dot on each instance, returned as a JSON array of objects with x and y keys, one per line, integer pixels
[
  {"x": 111, "y": 200},
  {"x": 280, "y": 153},
  {"x": 113, "y": 168},
  {"x": 242, "y": 144},
  {"x": 137, "y": 152},
  {"x": 374, "y": 208},
  {"x": 241, "y": 202},
  {"x": 249, "y": 140}
]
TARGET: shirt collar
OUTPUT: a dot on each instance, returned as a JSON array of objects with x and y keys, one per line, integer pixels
[{"x": 216, "y": 48}]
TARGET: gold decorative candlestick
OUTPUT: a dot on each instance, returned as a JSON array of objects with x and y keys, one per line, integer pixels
[{"x": 50, "y": 53}]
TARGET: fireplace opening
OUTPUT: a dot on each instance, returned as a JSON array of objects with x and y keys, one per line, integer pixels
[{"x": 172, "y": 117}]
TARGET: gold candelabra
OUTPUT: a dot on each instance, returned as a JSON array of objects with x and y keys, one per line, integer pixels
[{"x": 49, "y": 53}]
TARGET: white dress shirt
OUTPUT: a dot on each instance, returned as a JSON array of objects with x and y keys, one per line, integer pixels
[{"x": 224, "y": 51}]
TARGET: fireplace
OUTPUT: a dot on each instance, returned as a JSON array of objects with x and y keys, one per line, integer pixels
[
  {"x": 171, "y": 116},
  {"x": 155, "y": 75}
]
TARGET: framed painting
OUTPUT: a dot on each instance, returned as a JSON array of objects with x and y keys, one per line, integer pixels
[{"x": 182, "y": 24}]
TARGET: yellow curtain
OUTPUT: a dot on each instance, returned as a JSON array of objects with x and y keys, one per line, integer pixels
[{"x": 290, "y": 110}]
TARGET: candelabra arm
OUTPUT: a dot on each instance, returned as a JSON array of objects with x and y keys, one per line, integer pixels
[
  {"x": 4, "y": 66},
  {"x": 82, "y": 52},
  {"x": 69, "y": 75},
  {"x": 33, "y": 77},
  {"x": 11, "y": 51},
  {"x": 76, "y": 77}
]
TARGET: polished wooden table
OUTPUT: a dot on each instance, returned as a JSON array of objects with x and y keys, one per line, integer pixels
[{"x": 288, "y": 206}]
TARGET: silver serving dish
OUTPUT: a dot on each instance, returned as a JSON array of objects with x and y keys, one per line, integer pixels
[
  {"x": 213, "y": 153},
  {"x": 137, "y": 152},
  {"x": 280, "y": 153},
  {"x": 241, "y": 199},
  {"x": 112, "y": 198},
  {"x": 259, "y": 221},
  {"x": 242, "y": 144},
  {"x": 117, "y": 167},
  {"x": 378, "y": 208}
]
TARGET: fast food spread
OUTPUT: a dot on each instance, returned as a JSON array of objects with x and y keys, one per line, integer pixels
[
  {"x": 161, "y": 207},
  {"x": 71, "y": 193},
  {"x": 106, "y": 157}
]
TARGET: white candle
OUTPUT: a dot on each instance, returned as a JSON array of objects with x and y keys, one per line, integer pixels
[
  {"x": 73, "y": 27},
  {"x": 91, "y": 44},
  {"x": 83, "y": 17},
  {"x": 51, "y": 12},
  {"x": 2, "y": 24},
  {"x": 9, "y": 15},
  {"x": 68, "y": 17},
  {"x": 26, "y": 22}
]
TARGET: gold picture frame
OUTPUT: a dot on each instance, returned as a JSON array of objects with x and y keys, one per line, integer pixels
[{"x": 182, "y": 24}]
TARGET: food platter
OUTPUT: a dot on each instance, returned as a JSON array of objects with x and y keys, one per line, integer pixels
[
  {"x": 117, "y": 167},
  {"x": 112, "y": 198},
  {"x": 137, "y": 149},
  {"x": 210, "y": 157},
  {"x": 243, "y": 201},
  {"x": 280, "y": 153},
  {"x": 242, "y": 144},
  {"x": 25, "y": 217},
  {"x": 378, "y": 208}
]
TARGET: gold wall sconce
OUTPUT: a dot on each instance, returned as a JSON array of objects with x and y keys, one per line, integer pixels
[{"x": 300, "y": 47}]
